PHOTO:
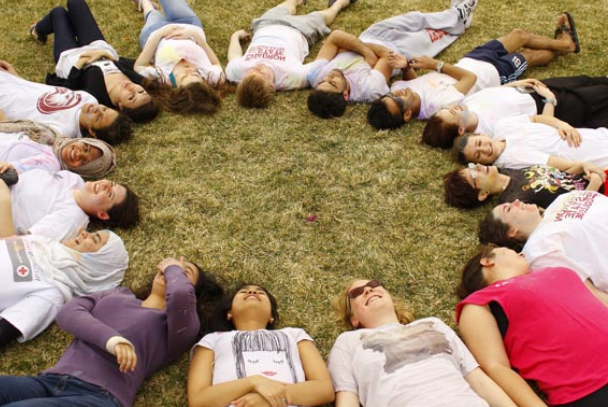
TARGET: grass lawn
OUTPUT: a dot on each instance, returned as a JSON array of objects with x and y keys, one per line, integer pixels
[{"x": 236, "y": 192}]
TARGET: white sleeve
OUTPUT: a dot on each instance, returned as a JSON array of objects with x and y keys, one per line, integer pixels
[
  {"x": 340, "y": 366},
  {"x": 34, "y": 313},
  {"x": 149, "y": 72},
  {"x": 235, "y": 70},
  {"x": 60, "y": 225},
  {"x": 313, "y": 69},
  {"x": 375, "y": 87}
]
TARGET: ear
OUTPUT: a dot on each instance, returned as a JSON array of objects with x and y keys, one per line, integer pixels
[
  {"x": 92, "y": 132},
  {"x": 486, "y": 262},
  {"x": 103, "y": 215},
  {"x": 271, "y": 320},
  {"x": 512, "y": 232},
  {"x": 346, "y": 95},
  {"x": 354, "y": 322},
  {"x": 228, "y": 317},
  {"x": 483, "y": 195},
  {"x": 461, "y": 130},
  {"x": 407, "y": 115}
]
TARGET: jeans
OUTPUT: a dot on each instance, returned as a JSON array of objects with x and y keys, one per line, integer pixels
[
  {"x": 54, "y": 391},
  {"x": 176, "y": 12},
  {"x": 73, "y": 27}
]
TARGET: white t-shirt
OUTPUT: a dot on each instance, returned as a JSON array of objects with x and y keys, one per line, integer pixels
[
  {"x": 435, "y": 89},
  {"x": 573, "y": 234},
  {"x": 271, "y": 353},
  {"x": 492, "y": 104},
  {"x": 279, "y": 47},
  {"x": 487, "y": 75},
  {"x": 53, "y": 105},
  {"x": 43, "y": 204},
  {"x": 24, "y": 154},
  {"x": 170, "y": 51},
  {"x": 529, "y": 143},
  {"x": 366, "y": 84},
  {"x": 26, "y": 301},
  {"x": 68, "y": 58},
  {"x": 421, "y": 364}
]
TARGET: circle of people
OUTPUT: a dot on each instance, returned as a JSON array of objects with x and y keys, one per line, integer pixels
[{"x": 540, "y": 146}]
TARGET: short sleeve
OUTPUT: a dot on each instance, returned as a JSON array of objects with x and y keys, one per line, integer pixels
[
  {"x": 340, "y": 366},
  {"x": 463, "y": 357},
  {"x": 375, "y": 87},
  {"x": 235, "y": 70},
  {"x": 313, "y": 69}
]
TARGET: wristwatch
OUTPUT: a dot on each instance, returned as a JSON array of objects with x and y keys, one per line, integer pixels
[
  {"x": 550, "y": 100},
  {"x": 440, "y": 65}
]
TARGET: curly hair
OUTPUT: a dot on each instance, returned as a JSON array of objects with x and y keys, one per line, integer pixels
[
  {"x": 197, "y": 97},
  {"x": 458, "y": 192},
  {"x": 404, "y": 314},
  {"x": 380, "y": 118},
  {"x": 326, "y": 104},
  {"x": 439, "y": 134},
  {"x": 254, "y": 93},
  {"x": 119, "y": 131},
  {"x": 472, "y": 278},
  {"x": 494, "y": 230}
]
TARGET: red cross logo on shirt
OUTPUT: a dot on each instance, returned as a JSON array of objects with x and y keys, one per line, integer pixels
[{"x": 23, "y": 271}]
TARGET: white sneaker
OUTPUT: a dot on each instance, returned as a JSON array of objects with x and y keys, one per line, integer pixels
[{"x": 465, "y": 10}]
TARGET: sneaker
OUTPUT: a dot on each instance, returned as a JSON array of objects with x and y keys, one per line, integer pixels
[{"x": 465, "y": 10}]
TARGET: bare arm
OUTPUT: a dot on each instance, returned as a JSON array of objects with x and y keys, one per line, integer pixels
[
  {"x": 564, "y": 130},
  {"x": 347, "y": 399},
  {"x": 340, "y": 40},
  {"x": 147, "y": 54},
  {"x": 466, "y": 79},
  {"x": 600, "y": 295},
  {"x": 482, "y": 336},
  {"x": 488, "y": 390},
  {"x": 7, "y": 228},
  {"x": 235, "y": 50},
  {"x": 9, "y": 68},
  {"x": 595, "y": 182}
]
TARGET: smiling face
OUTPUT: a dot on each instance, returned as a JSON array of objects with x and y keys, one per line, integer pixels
[
  {"x": 88, "y": 242},
  {"x": 481, "y": 177},
  {"x": 97, "y": 198},
  {"x": 481, "y": 149},
  {"x": 95, "y": 116},
  {"x": 400, "y": 102},
  {"x": 132, "y": 95},
  {"x": 521, "y": 218},
  {"x": 79, "y": 153},
  {"x": 454, "y": 115},
  {"x": 334, "y": 82},
  {"x": 371, "y": 306}
]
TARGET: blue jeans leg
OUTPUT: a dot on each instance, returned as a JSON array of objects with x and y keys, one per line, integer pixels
[
  {"x": 178, "y": 11},
  {"x": 154, "y": 20},
  {"x": 52, "y": 391}
]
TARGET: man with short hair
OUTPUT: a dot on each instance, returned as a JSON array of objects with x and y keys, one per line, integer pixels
[
  {"x": 58, "y": 204},
  {"x": 494, "y": 63},
  {"x": 572, "y": 232},
  {"x": 274, "y": 59},
  {"x": 350, "y": 69},
  {"x": 72, "y": 113}
]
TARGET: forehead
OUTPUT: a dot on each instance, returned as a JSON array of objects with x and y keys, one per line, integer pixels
[
  {"x": 466, "y": 174},
  {"x": 104, "y": 235}
]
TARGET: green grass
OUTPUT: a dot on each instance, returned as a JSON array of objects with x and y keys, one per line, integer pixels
[{"x": 234, "y": 191}]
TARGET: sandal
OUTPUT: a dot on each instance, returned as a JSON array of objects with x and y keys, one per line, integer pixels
[
  {"x": 138, "y": 4},
  {"x": 558, "y": 30},
  {"x": 572, "y": 31},
  {"x": 34, "y": 34}
]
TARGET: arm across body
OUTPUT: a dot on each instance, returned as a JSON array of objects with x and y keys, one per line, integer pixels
[
  {"x": 235, "y": 49},
  {"x": 482, "y": 336},
  {"x": 339, "y": 41},
  {"x": 487, "y": 389},
  {"x": 466, "y": 79}
]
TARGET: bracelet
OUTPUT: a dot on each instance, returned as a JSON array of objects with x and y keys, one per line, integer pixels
[
  {"x": 551, "y": 101},
  {"x": 440, "y": 65}
]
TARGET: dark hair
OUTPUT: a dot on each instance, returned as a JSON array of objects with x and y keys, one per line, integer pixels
[
  {"x": 460, "y": 143},
  {"x": 437, "y": 133},
  {"x": 219, "y": 321},
  {"x": 144, "y": 113},
  {"x": 254, "y": 92},
  {"x": 120, "y": 130},
  {"x": 381, "y": 118},
  {"x": 458, "y": 192},
  {"x": 472, "y": 278},
  {"x": 326, "y": 104},
  {"x": 126, "y": 213},
  {"x": 494, "y": 230},
  {"x": 209, "y": 292},
  {"x": 197, "y": 97}
]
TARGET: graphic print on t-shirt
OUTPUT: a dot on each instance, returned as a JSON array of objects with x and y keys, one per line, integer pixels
[
  {"x": 265, "y": 52},
  {"x": 541, "y": 177},
  {"x": 406, "y": 345},
  {"x": 22, "y": 268},
  {"x": 575, "y": 206},
  {"x": 265, "y": 353},
  {"x": 60, "y": 99}
]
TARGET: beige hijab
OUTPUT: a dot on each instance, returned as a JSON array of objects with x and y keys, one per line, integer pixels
[{"x": 43, "y": 134}]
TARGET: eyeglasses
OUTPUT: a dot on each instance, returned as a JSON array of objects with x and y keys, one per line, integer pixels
[
  {"x": 473, "y": 171},
  {"x": 357, "y": 291},
  {"x": 400, "y": 102}
]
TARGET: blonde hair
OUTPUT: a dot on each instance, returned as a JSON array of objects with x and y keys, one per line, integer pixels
[
  {"x": 404, "y": 314},
  {"x": 254, "y": 92}
]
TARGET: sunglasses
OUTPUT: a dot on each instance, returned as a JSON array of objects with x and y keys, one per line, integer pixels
[
  {"x": 400, "y": 102},
  {"x": 357, "y": 291}
]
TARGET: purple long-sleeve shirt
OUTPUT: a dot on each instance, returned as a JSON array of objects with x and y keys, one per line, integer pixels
[{"x": 158, "y": 336}]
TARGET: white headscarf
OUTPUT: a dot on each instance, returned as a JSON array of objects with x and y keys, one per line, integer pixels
[{"x": 75, "y": 273}]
